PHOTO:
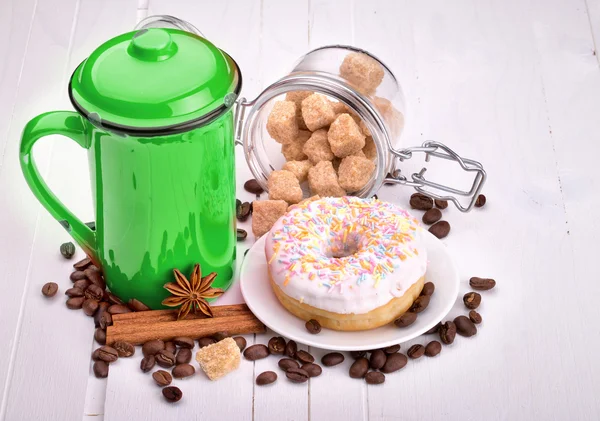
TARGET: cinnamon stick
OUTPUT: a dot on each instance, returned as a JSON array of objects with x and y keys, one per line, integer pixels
[{"x": 141, "y": 317}]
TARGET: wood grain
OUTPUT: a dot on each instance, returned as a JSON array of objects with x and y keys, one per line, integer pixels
[{"x": 141, "y": 317}]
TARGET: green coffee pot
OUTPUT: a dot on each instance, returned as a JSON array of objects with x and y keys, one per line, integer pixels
[{"x": 154, "y": 111}]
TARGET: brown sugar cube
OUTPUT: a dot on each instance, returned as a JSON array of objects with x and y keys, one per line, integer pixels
[
  {"x": 298, "y": 168},
  {"x": 339, "y": 108},
  {"x": 370, "y": 150},
  {"x": 265, "y": 213},
  {"x": 355, "y": 172},
  {"x": 345, "y": 136},
  {"x": 359, "y": 153},
  {"x": 219, "y": 359},
  {"x": 362, "y": 71},
  {"x": 282, "y": 124},
  {"x": 323, "y": 180},
  {"x": 364, "y": 129},
  {"x": 317, "y": 112},
  {"x": 298, "y": 97},
  {"x": 293, "y": 151},
  {"x": 283, "y": 185},
  {"x": 393, "y": 117},
  {"x": 317, "y": 148}
]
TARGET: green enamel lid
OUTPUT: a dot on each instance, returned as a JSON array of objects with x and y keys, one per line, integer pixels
[{"x": 155, "y": 81}]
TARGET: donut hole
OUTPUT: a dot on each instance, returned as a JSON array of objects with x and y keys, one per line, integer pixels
[{"x": 340, "y": 247}]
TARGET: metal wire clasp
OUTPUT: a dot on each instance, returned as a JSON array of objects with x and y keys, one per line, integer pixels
[{"x": 439, "y": 150}]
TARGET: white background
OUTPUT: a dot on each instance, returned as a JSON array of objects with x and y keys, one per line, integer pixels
[{"x": 512, "y": 83}]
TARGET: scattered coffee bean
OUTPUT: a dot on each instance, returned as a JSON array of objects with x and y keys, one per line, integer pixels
[
  {"x": 171, "y": 347},
  {"x": 286, "y": 363},
  {"x": 357, "y": 354},
  {"x": 67, "y": 250},
  {"x": 332, "y": 358},
  {"x": 290, "y": 349},
  {"x": 137, "y": 305},
  {"x": 243, "y": 211},
  {"x": 94, "y": 292},
  {"x": 253, "y": 187},
  {"x": 82, "y": 264},
  {"x": 219, "y": 336},
  {"x": 297, "y": 375},
  {"x": 165, "y": 358},
  {"x": 184, "y": 342},
  {"x": 78, "y": 275},
  {"x": 184, "y": 356},
  {"x": 241, "y": 234},
  {"x": 100, "y": 369},
  {"x": 182, "y": 371},
  {"x": 465, "y": 327},
  {"x": 147, "y": 363},
  {"x": 480, "y": 201},
  {"x": 256, "y": 352},
  {"x": 304, "y": 356},
  {"x": 266, "y": 377},
  {"x": 482, "y": 284},
  {"x": 105, "y": 319},
  {"x": 433, "y": 329},
  {"x": 420, "y": 201},
  {"x": 90, "y": 306},
  {"x": 313, "y": 370},
  {"x": 447, "y": 332},
  {"x": 420, "y": 304},
  {"x": 472, "y": 300},
  {"x": 105, "y": 353},
  {"x": 276, "y": 345},
  {"x": 432, "y": 216},
  {"x": 162, "y": 378},
  {"x": 152, "y": 347},
  {"x": 118, "y": 309},
  {"x": 359, "y": 368},
  {"x": 406, "y": 319},
  {"x": 433, "y": 348},
  {"x": 428, "y": 289},
  {"x": 50, "y": 289},
  {"x": 378, "y": 359},
  {"x": 313, "y": 326},
  {"x": 102, "y": 308},
  {"x": 202, "y": 342},
  {"x": 392, "y": 349},
  {"x": 75, "y": 303},
  {"x": 475, "y": 317},
  {"x": 394, "y": 362},
  {"x": 441, "y": 204},
  {"x": 172, "y": 394},
  {"x": 415, "y": 351},
  {"x": 440, "y": 229},
  {"x": 241, "y": 342},
  {"x": 95, "y": 277},
  {"x": 100, "y": 336},
  {"x": 74, "y": 292},
  {"x": 375, "y": 377},
  {"x": 124, "y": 349}
]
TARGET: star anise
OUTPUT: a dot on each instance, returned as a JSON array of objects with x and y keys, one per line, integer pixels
[{"x": 192, "y": 294}]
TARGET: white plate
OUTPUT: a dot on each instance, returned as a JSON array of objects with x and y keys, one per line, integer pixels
[{"x": 257, "y": 292}]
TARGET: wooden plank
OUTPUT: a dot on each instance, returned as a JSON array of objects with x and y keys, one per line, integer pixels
[{"x": 593, "y": 12}]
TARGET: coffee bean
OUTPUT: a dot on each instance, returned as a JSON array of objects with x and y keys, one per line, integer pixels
[
  {"x": 297, "y": 375},
  {"x": 480, "y": 201},
  {"x": 95, "y": 276},
  {"x": 75, "y": 303},
  {"x": 447, "y": 332},
  {"x": 253, "y": 187},
  {"x": 357, "y": 354},
  {"x": 74, "y": 292},
  {"x": 392, "y": 349},
  {"x": 165, "y": 358},
  {"x": 256, "y": 352},
  {"x": 332, "y": 358},
  {"x": 202, "y": 342},
  {"x": 433, "y": 348},
  {"x": 147, "y": 363},
  {"x": 432, "y": 216},
  {"x": 313, "y": 370},
  {"x": 394, "y": 362},
  {"x": 105, "y": 353},
  {"x": 90, "y": 306},
  {"x": 152, "y": 347},
  {"x": 415, "y": 351},
  {"x": 82, "y": 264},
  {"x": 433, "y": 329},
  {"x": 472, "y": 300},
  {"x": 94, "y": 292},
  {"x": 50, "y": 289},
  {"x": 102, "y": 309},
  {"x": 286, "y": 363},
  {"x": 440, "y": 229},
  {"x": 137, "y": 305},
  {"x": 219, "y": 336},
  {"x": 172, "y": 394},
  {"x": 241, "y": 342},
  {"x": 82, "y": 284},
  {"x": 184, "y": 342},
  {"x": 113, "y": 299},
  {"x": 78, "y": 275},
  {"x": 377, "y": 360},
  {"x": 313, "y": 326},
  {"x": 304, "y": 356},
  {"x": 482, "y": 284},
  {"x": 242, "y": 212},
  {"x": 184, "y": 356},
  {"x": 182, "y": 371},
  {"x": 465, "y": 327},
  {"x": 241, "y": 234},
  {"x": 428, "y": 289},
  {"x": 162, "y": 378},
  {"x": 420, "y": 304},
  {"x": 406, "y": 319},
  {"x": 421, "y": 202},
  {"x": 105, "y": 319},
  {"x": 118, "y": 309},
  {"x": 276, "y": 345},
  {"x": 100, "y": 336},
  {"x": 290, "y": 349},
  {"x": 266, "y": 377},
  {"x": 475, "y": 317},
  {"x": 67, "y": 250},
  {"x": 375, "y": 377},
  {"x": 171, "y": 347},
  {"x": 359, "y": 368},
  {"x": 124, "y": 349},
  {"x": 441, "y": 204},
  {"x": 100, "y": 369}
]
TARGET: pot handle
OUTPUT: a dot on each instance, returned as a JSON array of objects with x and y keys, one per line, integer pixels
[{"x": 69, "y": 124}]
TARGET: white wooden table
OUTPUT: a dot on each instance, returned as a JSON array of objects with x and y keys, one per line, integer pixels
[{"x": 513, "y": 83}]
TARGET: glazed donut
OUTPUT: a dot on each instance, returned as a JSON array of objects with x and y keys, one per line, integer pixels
[{"x": 350, "y": 263}]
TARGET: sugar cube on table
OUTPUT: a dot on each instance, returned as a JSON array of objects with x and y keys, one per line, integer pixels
[
  {"x": 219, "y": 359},
  {"x": 265, "y": 213}
]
